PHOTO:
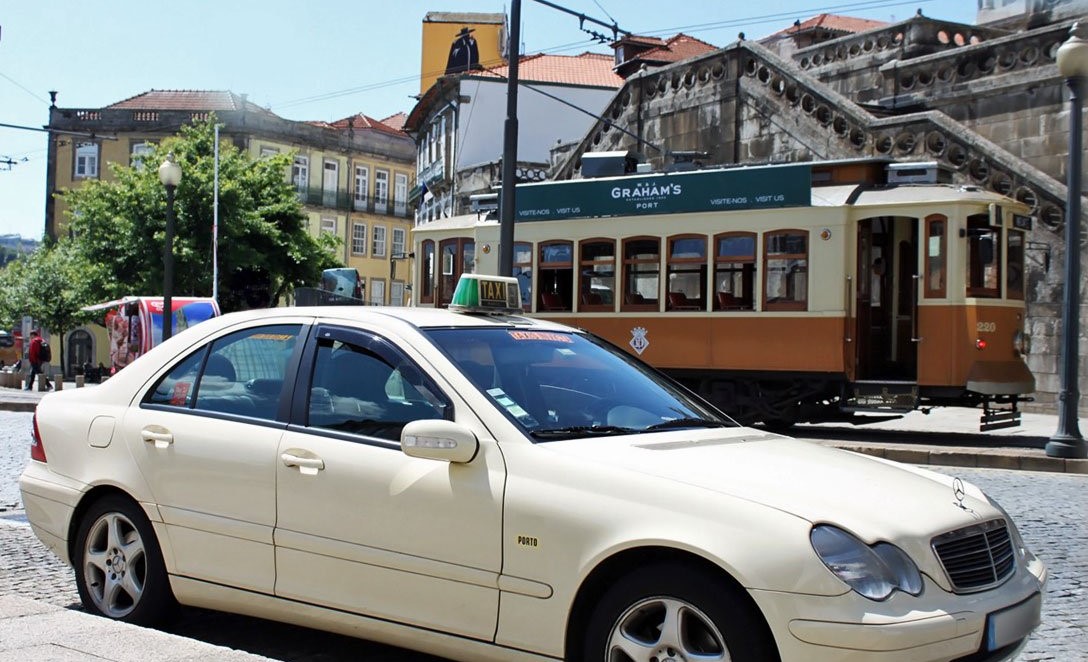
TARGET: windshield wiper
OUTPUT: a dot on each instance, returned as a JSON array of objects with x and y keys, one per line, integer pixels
[
  {"x": 686, "y": 423},
  {"x": 580, "y": 431}
]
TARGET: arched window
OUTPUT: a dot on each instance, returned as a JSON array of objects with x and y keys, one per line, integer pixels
[
  {"x": 641, "y": 273},
  {"x": 734, "y": 271},
  {"x": 597, "y": 275},
  {"x": 785, "y": 270},
  {"x": 685, "y": 272},
  {"x": 426, "y": 272},
  {"x": 556, "y": 288}
]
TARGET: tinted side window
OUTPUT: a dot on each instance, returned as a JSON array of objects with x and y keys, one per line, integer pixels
[
  {"x": 241, "y": 373},
  {"x": 177, "y": 387},
  {"x": 355, "y": 390},
  {"x": 244, "y": 371}
]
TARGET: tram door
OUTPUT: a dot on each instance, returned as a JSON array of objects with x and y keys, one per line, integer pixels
[{"x": 886, "y": 298}]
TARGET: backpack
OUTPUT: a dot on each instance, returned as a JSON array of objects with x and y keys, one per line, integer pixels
[{"x": 45, "y": 355}]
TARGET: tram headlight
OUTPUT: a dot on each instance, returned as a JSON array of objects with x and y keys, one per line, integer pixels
[{"x": 1021, "y": 343}]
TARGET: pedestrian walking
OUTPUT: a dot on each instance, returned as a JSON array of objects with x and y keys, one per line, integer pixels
[{"x": 39, "y": 353}]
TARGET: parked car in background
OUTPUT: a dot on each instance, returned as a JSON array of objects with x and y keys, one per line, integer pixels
[{"x": 485, "y": 486}]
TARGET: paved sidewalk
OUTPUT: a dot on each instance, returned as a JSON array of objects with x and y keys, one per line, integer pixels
[
  {"x": 32, "y": 631},
  {"x": 949, "y": 436}
]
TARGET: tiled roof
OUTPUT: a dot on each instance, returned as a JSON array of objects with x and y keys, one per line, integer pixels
[
  {"x": 360, "y": 122},
  {"x": 834, "y": 23},
  {"x": 594, "y": 69},
  {"x": 679, "y": 47},
  {"x": 396, "y": 121},
  {"x": 186, "y": 100}
]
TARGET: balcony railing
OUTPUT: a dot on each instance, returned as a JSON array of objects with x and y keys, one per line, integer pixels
[{"x": 345, "y": 201}]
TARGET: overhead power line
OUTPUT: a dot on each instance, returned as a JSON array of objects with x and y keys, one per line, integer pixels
[{"x": 584, "y": 44}]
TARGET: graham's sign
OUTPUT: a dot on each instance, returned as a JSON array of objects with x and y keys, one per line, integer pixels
[{"x": 667, "y": 193}]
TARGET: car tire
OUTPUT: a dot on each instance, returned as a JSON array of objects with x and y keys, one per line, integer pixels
[
  {"x": 710, "y": 620},
  {"x": 120, "y": 573}
]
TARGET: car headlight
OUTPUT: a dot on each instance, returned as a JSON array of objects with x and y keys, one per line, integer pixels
[{"x": 873, "y": 571}]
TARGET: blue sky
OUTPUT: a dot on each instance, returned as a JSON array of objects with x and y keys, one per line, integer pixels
[{"x": 356, "y": 54}]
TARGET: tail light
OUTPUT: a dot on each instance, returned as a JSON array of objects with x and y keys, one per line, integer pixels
[{"x": 37, "y": 450}]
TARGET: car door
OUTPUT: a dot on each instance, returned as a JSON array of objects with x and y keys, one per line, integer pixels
[
  {"x": 205, "y": 438},
  {"x": 365, "y": 528}
]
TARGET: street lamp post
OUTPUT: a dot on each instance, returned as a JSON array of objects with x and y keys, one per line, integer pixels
[
  {"x": 170, "y": 176},
  {"x": 1073, "y": 65}
]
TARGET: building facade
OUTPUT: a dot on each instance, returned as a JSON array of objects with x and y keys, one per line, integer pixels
[
  {"x": 456, "y": 125},
  {"x": 353, "y": 175}
]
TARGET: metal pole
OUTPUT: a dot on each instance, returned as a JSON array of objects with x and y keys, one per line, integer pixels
[
  {"x": 215, "y": 221},
  {"x": 510, "y": 147},
  {"x": 168, "y": 268},
  {"x": 1067, "y": 441}
]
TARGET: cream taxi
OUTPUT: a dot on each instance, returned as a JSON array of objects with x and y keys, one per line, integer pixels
[{"x": 484, "y": 486}]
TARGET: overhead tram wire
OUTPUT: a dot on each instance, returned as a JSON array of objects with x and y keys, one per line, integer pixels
[
  {"x": 717, "y": 25},
  {"x": 588, "y": 43}
]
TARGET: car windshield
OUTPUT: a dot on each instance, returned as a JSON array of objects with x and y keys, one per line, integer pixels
[{"x": 563, "y": 385}]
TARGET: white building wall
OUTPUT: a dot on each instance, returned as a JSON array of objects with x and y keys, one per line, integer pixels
[{"x": 542, "y": 121}]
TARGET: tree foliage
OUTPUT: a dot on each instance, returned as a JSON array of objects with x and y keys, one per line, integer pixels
[
  {"x": 264, "y": 248},
  {"x": 50, "y": 285}
]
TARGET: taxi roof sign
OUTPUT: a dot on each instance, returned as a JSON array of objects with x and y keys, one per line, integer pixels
[{"x": 476, "y": 293}]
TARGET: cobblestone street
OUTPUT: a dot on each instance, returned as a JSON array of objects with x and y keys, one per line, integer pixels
[{"x": 1050, "y": 510}]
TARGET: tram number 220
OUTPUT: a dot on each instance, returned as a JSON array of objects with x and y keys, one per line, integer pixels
[{"x": 986, "y": 327}]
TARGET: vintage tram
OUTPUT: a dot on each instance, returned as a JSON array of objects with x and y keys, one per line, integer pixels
[{"x": 782, "y": 293}]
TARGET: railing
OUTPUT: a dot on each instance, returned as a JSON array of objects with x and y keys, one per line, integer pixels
[
  {"x": 433, "y": 171},
  {"x": 917, "y": 34},
  {"x": 1018, "y": 54},
  {"x": 345, "y": 201}
]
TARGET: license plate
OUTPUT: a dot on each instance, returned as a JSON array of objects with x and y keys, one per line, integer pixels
[{"x": 1013, "y": 623}]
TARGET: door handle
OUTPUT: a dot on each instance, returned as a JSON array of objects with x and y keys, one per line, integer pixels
[
  {"x": 160, "y": 436},
  {"x": 307, "y": 465}
]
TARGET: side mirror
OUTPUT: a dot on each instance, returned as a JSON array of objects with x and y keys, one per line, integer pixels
[{"x": 437, "y": 439}]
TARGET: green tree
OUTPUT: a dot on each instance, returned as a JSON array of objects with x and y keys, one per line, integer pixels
[
  {"x": 265, "y": 250},
  {"x": 50, "y": 285}
]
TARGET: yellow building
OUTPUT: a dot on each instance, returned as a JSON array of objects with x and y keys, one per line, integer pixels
[{"x": 353, "y": 176}]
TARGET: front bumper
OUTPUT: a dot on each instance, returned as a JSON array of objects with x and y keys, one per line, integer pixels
[{"x": 936, "y": 626}]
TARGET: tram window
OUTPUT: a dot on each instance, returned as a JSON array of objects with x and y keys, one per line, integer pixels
[
  {"x": 785, "y": 270},
  {"x": 523, "y": 271},
  {"x": 983, "y": 257},
  {"x": 597, "y": 275},
  {"x": 686, "y": 273},
  {"x": 936, "y": 259},
  {"x": 641, "y": 273},
  {"x": 1014, "y": 279},
  {"x": 426, "y": 275},
  {"x": 556, "y": 276},
  {"x": 734, "y": 271}
]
